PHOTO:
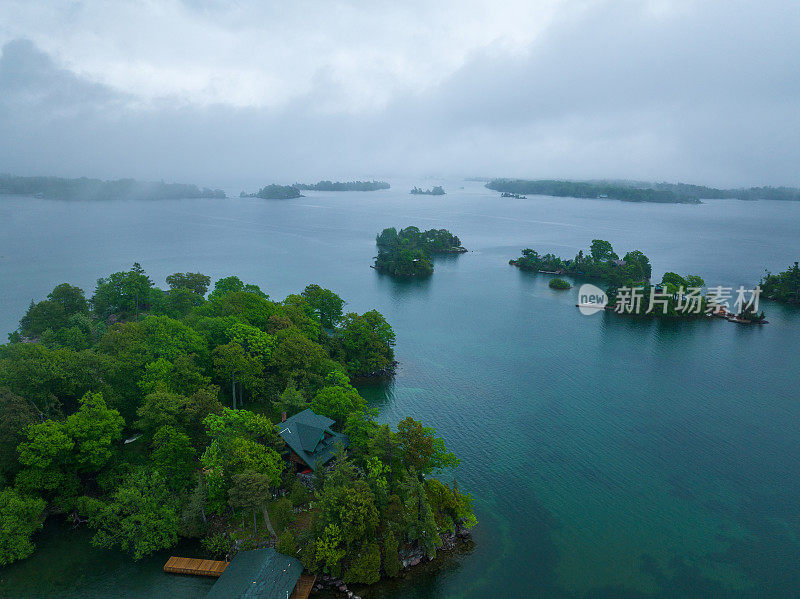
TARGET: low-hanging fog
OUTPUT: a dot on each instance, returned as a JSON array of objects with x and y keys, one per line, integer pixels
[{"x": 243, "y": 93}]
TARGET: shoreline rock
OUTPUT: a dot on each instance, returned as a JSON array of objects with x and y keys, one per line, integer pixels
[{"x": 409, "y": 558}]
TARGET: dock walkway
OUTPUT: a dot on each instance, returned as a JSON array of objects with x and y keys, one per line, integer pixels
[
  {"x": 198, "y": 567},
  {"x": 304, "y": 586}
]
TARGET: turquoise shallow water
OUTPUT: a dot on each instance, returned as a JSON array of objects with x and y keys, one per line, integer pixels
[{"x": 608, "y": 457}]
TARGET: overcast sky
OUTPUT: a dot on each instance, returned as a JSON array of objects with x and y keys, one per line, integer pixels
[{"x": 240, "y": 93}]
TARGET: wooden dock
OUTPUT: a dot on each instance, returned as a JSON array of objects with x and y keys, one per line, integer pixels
[
  {"x": 303, "y": 587},
  {"x": 197, "y": 567}
]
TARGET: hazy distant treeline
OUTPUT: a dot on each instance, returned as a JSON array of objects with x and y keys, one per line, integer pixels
[
  {"x": 95, "y": 189},
  {"x": 274, "y": 192},
  {"x": 630, "y": 191},
  {"x": 343, "y": 186}
]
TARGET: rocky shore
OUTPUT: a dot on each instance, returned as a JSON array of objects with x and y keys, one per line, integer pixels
[{"x": 409, "y": 558}]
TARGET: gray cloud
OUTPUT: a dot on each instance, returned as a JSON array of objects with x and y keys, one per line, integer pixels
[{"x": 694, "y": 91}]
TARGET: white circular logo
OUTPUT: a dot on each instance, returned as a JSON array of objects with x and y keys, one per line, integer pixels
[{"x": 591, "y": 299}]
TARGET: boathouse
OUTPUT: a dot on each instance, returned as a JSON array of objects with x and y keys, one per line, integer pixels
[
  {"x": 310, "y": 439},
  {"x": 262, "y": 574}
]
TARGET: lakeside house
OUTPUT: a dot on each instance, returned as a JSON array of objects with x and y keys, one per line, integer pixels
[
  {"x": 262, "y": 573},
  {"x": 311, "y": 441}
]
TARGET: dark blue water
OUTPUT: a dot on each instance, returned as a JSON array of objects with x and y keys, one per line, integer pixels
[{"x": 608, "y": 457}]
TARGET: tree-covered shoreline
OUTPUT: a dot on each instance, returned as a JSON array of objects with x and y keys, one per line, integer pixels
[
  {"x": 96, "y": 189},
  {"x": 195, "y": 385},
  {"x": 635, "y": 191},
  {"x": 783, "y": 287},
  {"x": 408, "y": 252},
  {"x": 630, "y": 290},
  {"x": 343, "y": 186}
]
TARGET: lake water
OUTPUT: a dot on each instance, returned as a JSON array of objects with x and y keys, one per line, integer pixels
[{"x": 608, "y": 457}]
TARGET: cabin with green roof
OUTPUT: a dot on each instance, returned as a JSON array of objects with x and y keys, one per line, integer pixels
[
  {"x": 262, "y": 574},
  {"x": 310, "y": 439}
]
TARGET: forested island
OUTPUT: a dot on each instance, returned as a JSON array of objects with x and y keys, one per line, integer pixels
[
  {"x": 558, "y": 284},
  {"x": 637, "y": 191},
  {"x": 149, "y": 415},
  {"x": 408, "y": 252},
  {"x": 628, "y": 284},
  {"x": 783, "y": 287},
  {"x": 96, "y": 189},
  {"x": 274, "y": 192},
  {"x": 435, "y": 191},
  {"x": 343, "y": 186}
]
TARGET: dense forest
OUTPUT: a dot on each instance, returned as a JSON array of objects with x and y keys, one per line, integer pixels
[
  {"x": 147, "y": 415},
  {"x": 343, "y": 186},
  {"x": 407, "y": 253},
  {"x": 634, "y": 191},
  {"x": 274, "y": 192},
  {"x": 438, "y": 190},
  {"x": 784, "y": 286},
  {"x": 95, "y": 189}
]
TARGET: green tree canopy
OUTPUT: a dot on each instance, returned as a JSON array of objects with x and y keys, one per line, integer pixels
[
  {"x": 602, "y": 251},
  {"x": 15, "y": 415},
  {"x": 55, "y": 452},
  {"x": 326, "y": 304},
  {"x": 232, "y": 284},
  {"x": 367, "y": 342},
  {"x": 122, "y": 292},
  {"x": 173, "y": 457},
  {"x": 54, "y": 313},
  {"x": 337, "y": 403},
  {"x": 193, "y": 281},
  {"x": 421, "y": 449},
  {"x": 140, "y": 517},
  {"x": 249, "y": 490},
  {"x": 20, "y": 517}
]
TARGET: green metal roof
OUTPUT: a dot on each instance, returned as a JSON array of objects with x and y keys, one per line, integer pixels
[
  {"x": 261, "y": 573},
  {"x": 309, "y": 435}
]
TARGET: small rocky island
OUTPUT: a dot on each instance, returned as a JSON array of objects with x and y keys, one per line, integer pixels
[
  {"x": 275, "y": 192},
  {"x": 559, "y": 284},
  {"x": 438, "y": 190},
  {"x": 407, "y": 252}
]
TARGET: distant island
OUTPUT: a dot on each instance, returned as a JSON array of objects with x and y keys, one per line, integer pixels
[
  {"x": 97, "y": 189},
  {"x": 637, "y": 191},
  {"x": 343, "y": 186},
  {"x": 436, "y": 191},
  {"x": 407, "y": 253},
  {"x": 274, "y": 192},
  {"x": 675, "y": 296},
  {"x": 783, "y": 287}
]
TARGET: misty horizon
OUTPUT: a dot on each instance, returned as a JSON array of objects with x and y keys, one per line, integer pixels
[{"x": 200, "y": 92}]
